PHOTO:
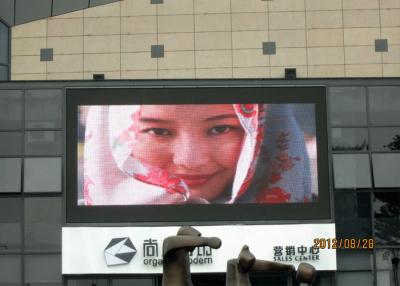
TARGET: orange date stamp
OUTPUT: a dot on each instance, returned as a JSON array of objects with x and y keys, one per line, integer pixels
[{"x": 344, "y": 243}]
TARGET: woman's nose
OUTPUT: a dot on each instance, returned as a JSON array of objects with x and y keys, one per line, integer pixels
[{"x": 191, "y": 152}]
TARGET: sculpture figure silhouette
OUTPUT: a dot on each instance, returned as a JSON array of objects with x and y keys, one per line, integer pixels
[
  {"x": 176, "y": 266},
  {"x": 238, "y": 269}
]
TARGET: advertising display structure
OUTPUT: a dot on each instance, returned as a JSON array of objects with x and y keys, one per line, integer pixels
[
  {"x": 197, "y": 155},
  {"x": 138, "y": 250}
]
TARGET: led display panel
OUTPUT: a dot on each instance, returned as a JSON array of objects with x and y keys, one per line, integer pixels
[{"x": 204, "y": 154}]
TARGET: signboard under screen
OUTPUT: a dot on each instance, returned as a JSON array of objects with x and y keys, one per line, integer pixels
[{"x": 203, "y": 154}]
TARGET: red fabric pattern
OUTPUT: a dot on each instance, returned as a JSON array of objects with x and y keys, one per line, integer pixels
[
  {"x": 250, "y": 110},
  {"x": 273, "y": 196},
  {"x": 163, "y": 179},
  {"x": 281, "y": 163},
  {"x": 247, "y": 110}
]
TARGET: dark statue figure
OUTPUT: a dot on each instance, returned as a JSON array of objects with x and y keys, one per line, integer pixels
[
  {"x": 306, "y": 274},
  {"x": 176, "y": 267},
  {"x": 238, "y": 270}
]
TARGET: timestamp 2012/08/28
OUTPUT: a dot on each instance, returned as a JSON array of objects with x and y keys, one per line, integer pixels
[{"x": 344, "y": 243}]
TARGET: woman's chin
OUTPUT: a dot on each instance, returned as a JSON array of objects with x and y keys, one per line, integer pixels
[
  {"x": 196, "y": 200},
  {"x": 201, "y": 195}
]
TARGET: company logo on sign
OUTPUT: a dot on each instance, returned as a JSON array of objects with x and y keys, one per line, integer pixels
[
  {"x": 119, "y": 251},
  {"x": 292, "y": 253},
  {"x": 151, "y": 256}
]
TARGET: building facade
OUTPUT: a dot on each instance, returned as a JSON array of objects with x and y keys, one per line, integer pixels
[
  {"x": 351, "y": 47},
  {"x": 203, "y": 39}
]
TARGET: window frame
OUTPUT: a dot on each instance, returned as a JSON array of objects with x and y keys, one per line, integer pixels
[{"x": 7, "y": 65}]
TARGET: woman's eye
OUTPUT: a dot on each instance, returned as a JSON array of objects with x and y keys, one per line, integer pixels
[
  {"x": 220, "y": 129},
  {"x": 158, "y": 131}
]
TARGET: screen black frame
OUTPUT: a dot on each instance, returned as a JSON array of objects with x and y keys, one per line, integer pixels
[{"x": 204, "y": 214}]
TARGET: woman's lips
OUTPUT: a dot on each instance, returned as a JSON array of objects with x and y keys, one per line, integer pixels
[{"x": 195, "y": 180}]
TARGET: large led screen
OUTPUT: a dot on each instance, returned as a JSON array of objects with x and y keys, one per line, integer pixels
[{"x": 196, "y": 154}]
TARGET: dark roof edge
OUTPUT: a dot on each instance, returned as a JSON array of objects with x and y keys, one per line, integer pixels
[{"x": 24, "y": 11}]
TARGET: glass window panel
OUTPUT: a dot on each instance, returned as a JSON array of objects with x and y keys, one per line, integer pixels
[
  {"x": 353, "y": 214},
  {"x": 43, "y": 268},
  {"x": 385, "y": 138},
  {"x": 130, "y": 282},
  {"x": 384, "y": 105},
  {"x": 325, "y": 279},
  {"x": 351, "y": 171},
  {"x": 10, "y": 143},
  {"x": 387, "y": 217},
  {"x": 384, "y": 258},
  {"x": 10, "y": 269},
  {"x": 43, "y": 109},
  {"x": 3, "y": 73},
  {"x": 43, "y": 142},
  {"x": 87, "y": 282},
  {"x": 347, "y": 106},
  {"x": 10, "y": 109},
  {"x": 383, "y": 278},
  {"x": 349, "y": 139},
  {"x": 354, "y": 278},
  {"x": 387, "y": 231},
  {"x": 42, "y": 175},
  {"x": 386, "y": 170},
  {"x": 10, "y": 175},
  {"x": 43, "y": 225},
  {"x": 4, "y": 43},
  {"x": 355, "y": 260},
  {"x": 352, "y": 204},
  {"x": 364, "y": 205},
  {"x": 10, "y": 224},
  {"x": 46, "y": 284}
]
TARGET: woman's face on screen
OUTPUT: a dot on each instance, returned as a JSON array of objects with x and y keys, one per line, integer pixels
[{"x": 198, "y": 143}]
